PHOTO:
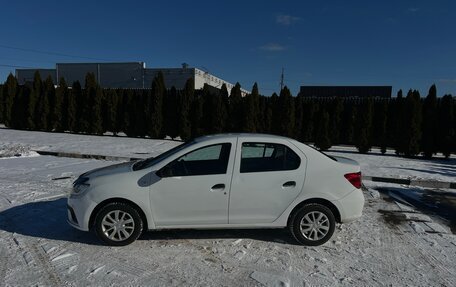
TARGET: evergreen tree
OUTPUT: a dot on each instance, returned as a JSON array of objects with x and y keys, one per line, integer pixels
[
  {"x": 140, "y": 99},
  {"x": 42, "y": 111},
  {"x": 287, "y": 113},
  {"x": 220, "y": 112},
  {"x": 235, "y": 109},
  {"x": 85, "y": 104},
  {"x": 251, "y": 110},
  {"x": 348, "y": 122},
  {"x": 429, "y": 127},
  {"x": 412, "y": 132},
  {"x": 185, "y": 104},
  {"x": 363, "y": 137},
  {"x": 156, "y": 106},
  {"x": 92, "y": 94},
  {"x": 226, "y": 106},
  {"x": 128, "y": 112},
  {"x": 73, "y": 111},
  {"x": 262, "y": 106},
  {"x": 66, "y": 95},
  {"x": 276, "y": 116},
  {"x": 446, "y": 131},
  {"x": 268, "y": 114},
  {"x": 110, "y": 111},
  {"x": 170, "y": 113},
  {"x": 391, "y": 123},
  {"x": 399, "y": 125},
  {"x": 60, "y": 109},
  {"x": 35, "y": 94},
  {"x": 322, "y": 138},
  {"x": 9, "y": 92},
  {"x": 18, "y": 116},
  {"x": 196, "y": 116},
  {"x": 308, "y": 128},
  {"x": 120, "y": 114},
  {"x": 96, "y": 123},
  {"x": 299, "y": 118},
  {"x": 379, "y": 124},
  {"x": 335, "y": 119},
  {"x": 214, "y": 112}
]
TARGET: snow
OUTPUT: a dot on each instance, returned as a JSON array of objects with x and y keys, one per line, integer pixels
[
  {"x": 398, "y": 246},
  {"x": 85, "y": 144}
]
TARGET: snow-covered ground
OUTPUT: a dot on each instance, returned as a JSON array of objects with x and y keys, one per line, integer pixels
[{"x": 391, "y": 245}]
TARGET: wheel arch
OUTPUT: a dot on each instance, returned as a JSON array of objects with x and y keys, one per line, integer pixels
[
  {"x": 321, "y": 201},
  {"x": 117, "y": 199}
]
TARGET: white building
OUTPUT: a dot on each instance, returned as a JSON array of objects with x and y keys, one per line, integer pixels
[{"x": 132, "y": 75}]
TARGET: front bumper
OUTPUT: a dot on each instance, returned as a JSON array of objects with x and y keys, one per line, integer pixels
[{"x": 79, "y": 210}]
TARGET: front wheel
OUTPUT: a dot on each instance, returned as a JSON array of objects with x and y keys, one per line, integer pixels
[
  {"x": 313, "y": 224},
  {"x": 118, "y": 224}
]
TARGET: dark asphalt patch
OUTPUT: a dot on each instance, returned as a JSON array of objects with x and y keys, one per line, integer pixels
[{"x": 438, "y": 202}]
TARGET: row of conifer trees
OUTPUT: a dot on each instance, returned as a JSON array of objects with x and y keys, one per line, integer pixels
[{"x": 410, "y": 124}]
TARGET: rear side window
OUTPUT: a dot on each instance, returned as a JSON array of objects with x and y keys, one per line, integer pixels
[{"x": 260, "y": 157}]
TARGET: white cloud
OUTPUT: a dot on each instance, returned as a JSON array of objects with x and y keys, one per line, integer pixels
[
  {"x": 272, "y": 47},
  {"x": 413, "y": 9},
  {"x": 286, "y": 20}
]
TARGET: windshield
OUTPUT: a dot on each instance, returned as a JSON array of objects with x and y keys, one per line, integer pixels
[{"x": 154, "y": 160}]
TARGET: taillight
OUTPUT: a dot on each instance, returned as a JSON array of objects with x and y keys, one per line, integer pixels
[{"x": 354, "y": 178}]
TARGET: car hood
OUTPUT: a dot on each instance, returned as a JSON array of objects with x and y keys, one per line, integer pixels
[{"x": 109, "y": 170}]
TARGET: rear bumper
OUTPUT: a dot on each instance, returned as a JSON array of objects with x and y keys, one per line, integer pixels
[{"x": 351, "y": 206}]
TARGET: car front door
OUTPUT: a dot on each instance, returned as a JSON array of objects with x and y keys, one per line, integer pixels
[
  {"x": 267, "y": 177},
  {"x": 193, "y": 189}
]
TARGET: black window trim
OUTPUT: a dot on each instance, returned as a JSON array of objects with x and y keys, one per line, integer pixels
[{"x": 268, "y": 143}]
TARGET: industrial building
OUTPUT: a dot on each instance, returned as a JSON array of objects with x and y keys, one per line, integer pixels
[
  {"x": 346, "y": 91},
  {"x": 132, "y": 75}
]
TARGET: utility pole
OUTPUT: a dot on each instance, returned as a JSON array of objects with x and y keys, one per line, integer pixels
[{"x": 281, "y": 81}]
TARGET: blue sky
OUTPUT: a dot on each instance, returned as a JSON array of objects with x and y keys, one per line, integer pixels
[{"x": 406, "y": 44}]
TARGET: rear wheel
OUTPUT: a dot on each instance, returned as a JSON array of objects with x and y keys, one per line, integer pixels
[
  {"x": 118, "y": 224},
  {"x": 313, "y": 224}
]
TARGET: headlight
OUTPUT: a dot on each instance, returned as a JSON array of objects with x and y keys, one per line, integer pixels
[{"x": 80, "y": 186}]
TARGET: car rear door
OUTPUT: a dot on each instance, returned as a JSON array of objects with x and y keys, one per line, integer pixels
[{"x": 268, "y": 175}]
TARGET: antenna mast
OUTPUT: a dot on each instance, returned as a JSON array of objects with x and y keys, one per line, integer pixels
[{"x": 281, "y": 81}]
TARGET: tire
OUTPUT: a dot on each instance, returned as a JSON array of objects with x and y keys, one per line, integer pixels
[
  {"x": 118, "y": 224},
  {"x": 313, "y": 224}
]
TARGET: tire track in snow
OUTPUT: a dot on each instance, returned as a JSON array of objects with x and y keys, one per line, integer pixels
[{"x": 42, "y": 261}]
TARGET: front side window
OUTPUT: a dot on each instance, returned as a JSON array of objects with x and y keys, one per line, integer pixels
[
  {"x": 261, "y": 157},
  {"x": 207, "y": 160}
]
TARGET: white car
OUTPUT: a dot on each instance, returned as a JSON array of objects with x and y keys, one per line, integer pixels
[{"x": 221, "y": 181}]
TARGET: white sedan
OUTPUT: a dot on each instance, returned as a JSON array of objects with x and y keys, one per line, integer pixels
[{"x": 221, "y": 181}]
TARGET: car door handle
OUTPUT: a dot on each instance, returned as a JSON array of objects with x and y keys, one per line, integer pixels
[
  {"x": 218, "y": 187},
  {"x": 289, "y": 184}
]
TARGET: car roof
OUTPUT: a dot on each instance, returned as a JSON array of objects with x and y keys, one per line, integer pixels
[{"x": 236, "y": 135}]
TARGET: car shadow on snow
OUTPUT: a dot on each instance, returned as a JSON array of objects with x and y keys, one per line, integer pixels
[
  {"x": 48, "y": 220},
  {"x": 44, "y": 219}
]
